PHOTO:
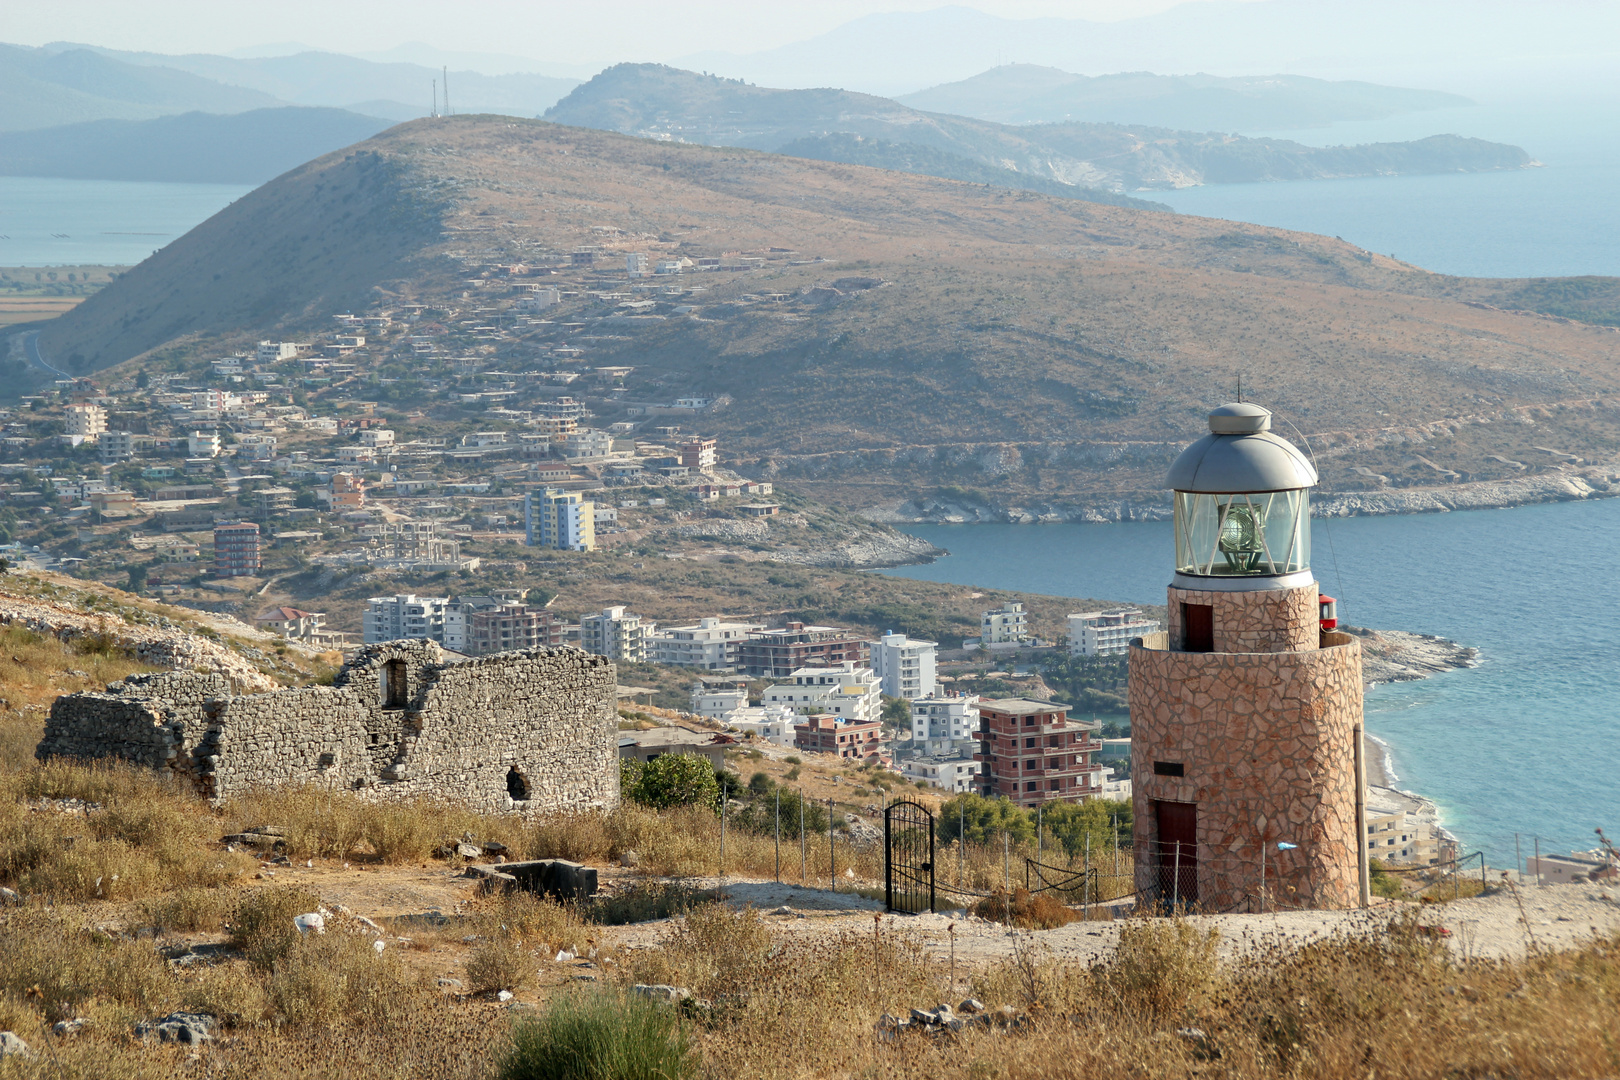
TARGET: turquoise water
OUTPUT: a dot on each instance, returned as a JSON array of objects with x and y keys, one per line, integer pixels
[
  {"x": 1526, "y": 742},
  {"x": 1555, "y": 220},
  {"x": 49, "y": 222}
]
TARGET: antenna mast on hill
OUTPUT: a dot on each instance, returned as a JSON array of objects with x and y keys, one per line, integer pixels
[
  {"x": 435, "y": 110},
  {"x": 446, "y": 73}
]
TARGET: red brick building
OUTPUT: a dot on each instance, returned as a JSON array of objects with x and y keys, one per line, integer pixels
[
  {"x": 777, "y": 654},
  {"x": 698, "y": 454},
  {"x": 826, "y": 734},
  {"x": 512, "y": 626},
  {"x": 1033, "y": 753},
  {"x": 236, "y": 549}
]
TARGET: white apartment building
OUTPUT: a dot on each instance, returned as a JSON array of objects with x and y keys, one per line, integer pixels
[
  {"x": 635, "y": 263},
  {"x": 84, "y": 423},
  {"x": 456, "y": 614},
  {"x": 616, "y": 634},
  {"x": 1394, "y": 832},
  {"x": 256, "y": 447},
  {"x": 770, "y": 723},
  {"x": 377, "y": 437},
  {"x": 847, "y": 691},
  {"x": 715, "y": 703},
  {"x": 711, "y": 644},
  {"x": 273, "y": 352},
  {"x": 1107, "y": 633},
  {"x": 1006, "y": 625},
  {"x": 945, "y": 719},
  {"x": 905, "y": 666},
  {"x": 589, "y": 443},
  {"x": 216, "y": 400},
  {"x": 202, "y": 444},
  {"x": 952, "y": 772},
  {"x": 404, "y": 615},
  {"x": 116, "y": 446}
]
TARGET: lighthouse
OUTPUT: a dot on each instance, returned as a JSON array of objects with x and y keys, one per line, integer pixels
[{"x": 1246, "y": 713}]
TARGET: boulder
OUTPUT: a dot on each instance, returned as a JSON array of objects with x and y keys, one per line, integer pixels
[
  {"x": 662, "y": 992},
  {"x": 11, "y": 1043},
  {"x": 193, "y": 1029}
]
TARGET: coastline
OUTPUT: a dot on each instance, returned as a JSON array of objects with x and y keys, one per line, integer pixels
[
  {"x": 1389, "y": 656},
  {"x": 1568, "y": 483}
]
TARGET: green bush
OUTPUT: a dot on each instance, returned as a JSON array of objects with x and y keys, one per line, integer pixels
[
  {"x": 670, "y": 780},
  {"x": 601, "y": 1035}
]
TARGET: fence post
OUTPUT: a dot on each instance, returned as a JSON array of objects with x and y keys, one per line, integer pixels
[
  {"x": 1006, "y": 861},
  {"x": 832, "y": 849},
  {"x": 724, "y": 799},
  {"x": 778, "y": 835},
  {"x": 1175, "y": 882},
  {"x": 1482, "y": 873},
  {"x": 1086, "y": 903},
  {"x": 804, "y": 862},
  {"x": 1518, "y": 859},
  {"x": 1040, "y": 832},
  {"x": 961, "y": 841},
  {"x": 1538, "y": 860},
  {"x": 1114, "y": 819},
  {"x": 1262, "y": 875}
]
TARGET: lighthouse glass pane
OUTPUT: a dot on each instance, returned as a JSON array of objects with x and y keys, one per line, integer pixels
[{"x": 1243, "y": 535}]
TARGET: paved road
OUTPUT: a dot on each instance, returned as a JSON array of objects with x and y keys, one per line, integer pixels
[{"x": 31, "y": 345}]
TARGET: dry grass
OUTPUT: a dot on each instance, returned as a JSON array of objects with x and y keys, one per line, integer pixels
[{"x": 1040, "y": 911}]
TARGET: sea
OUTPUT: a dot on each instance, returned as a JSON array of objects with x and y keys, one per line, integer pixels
[
  {"x": 49, "y": 222},
  {"x": 1525, "y": 745}
]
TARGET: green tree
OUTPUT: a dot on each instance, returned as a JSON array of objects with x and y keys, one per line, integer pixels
[
  {"x": 896, "y": 714},
  {"x": 670, "y": 780},
  {"x": 984, "y": 820},
  {"x": 1070, "y": 824}
]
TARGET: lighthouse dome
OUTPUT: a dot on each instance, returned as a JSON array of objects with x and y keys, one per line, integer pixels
[{"x": 1240, "y": 454}]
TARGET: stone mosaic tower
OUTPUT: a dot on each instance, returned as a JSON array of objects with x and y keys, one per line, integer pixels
[{"x": 1246, "y": 725}]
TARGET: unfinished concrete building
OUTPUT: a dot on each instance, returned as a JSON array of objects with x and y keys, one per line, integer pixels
[{"x": 529, "y": 730}]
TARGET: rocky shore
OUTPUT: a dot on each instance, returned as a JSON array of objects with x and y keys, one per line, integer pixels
[{"x": 1571, "y": 483}]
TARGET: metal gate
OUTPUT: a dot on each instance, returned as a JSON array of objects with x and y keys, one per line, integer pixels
[{"x": 908, "y": 857}]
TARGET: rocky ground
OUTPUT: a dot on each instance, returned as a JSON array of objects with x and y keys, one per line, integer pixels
[
  {"x": 1400, "y": 656},
  {"x": 236, "y": 650}
]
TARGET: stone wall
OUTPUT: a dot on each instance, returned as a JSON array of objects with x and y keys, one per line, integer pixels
[
  {"x": 541, "y": 722},
  {"x": 1254, "y": 620},
  {"x": 1268, "y": 745}
]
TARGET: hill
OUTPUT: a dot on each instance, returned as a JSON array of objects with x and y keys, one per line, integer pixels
[
  {"x": 931, "y": 341},
  {"x": 48, "y": 88},
  {"x": 1032, "y": 94},
  {"x": 666, "y": 103},
  {"x": 196, "y": 147}
]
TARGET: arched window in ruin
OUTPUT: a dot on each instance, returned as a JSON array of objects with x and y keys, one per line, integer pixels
[
  {"x": 394, "y": 684},
  {"x": 517, "y": 785}
]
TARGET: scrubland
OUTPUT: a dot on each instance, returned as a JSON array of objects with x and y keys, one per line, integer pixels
[{"x": 127, "y": 906}]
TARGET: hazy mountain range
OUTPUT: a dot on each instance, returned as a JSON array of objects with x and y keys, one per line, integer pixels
[
  {"x": 669, "y": 104},
  {"x": 1029, "y": 93},
  {"x": 66, "y": 83}
]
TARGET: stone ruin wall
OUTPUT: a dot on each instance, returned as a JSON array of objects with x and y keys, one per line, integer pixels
[
  {"x": 1268, "y": 742},
  {"x": 548, "y": 714}
]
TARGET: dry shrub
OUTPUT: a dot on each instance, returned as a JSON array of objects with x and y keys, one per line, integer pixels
[
  {"x": 188, "y": 909},
  {"x": 500, "y": 963},
  {"x": 142, "y": 835},
  {"x": 225, "y": 991},
  {"x": 1161, "y": 969},
  {"x": 60, "y": 965},
  {"x": 529, "y": 917},
  {"x": 332, "y": 979},
  {"x": 1040, "y": 911},
  {"x": 262, "y": 924},
  {"x": 643, "y": 902},
  {"x": 340, "y": 825},
  {"x": 713, "y": 951}
]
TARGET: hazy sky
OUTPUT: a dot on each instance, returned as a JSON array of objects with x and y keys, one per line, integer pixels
[{"x": 556, "y": 30}]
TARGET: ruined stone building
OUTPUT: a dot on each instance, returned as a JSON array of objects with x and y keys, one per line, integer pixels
[{"x": 529, "y": 730}]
